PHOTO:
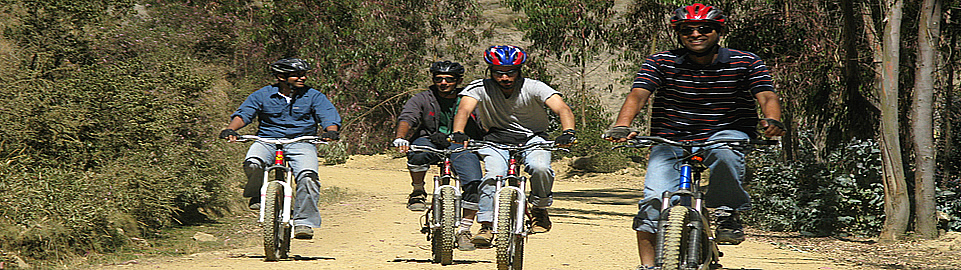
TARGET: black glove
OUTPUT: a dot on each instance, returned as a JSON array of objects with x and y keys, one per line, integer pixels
[
  {"x": 566, "y": 139},
  {"x": 439, "y": 139},
  {"x": 458, "y": 137},
  {"x": 618, "y": 133},
  {"x": 228, "y": 132},
  {"x": 331, "y": 135}
]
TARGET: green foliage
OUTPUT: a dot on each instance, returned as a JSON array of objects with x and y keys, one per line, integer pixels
[
  {"x": 843, "y": 195},
  {"x": 366, "y": 54}
]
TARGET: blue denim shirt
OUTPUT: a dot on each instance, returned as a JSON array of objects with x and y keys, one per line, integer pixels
[{"x": 279, "y": 119}]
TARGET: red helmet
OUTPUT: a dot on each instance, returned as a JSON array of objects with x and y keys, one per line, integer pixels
[{"x": 698, "y": 13}]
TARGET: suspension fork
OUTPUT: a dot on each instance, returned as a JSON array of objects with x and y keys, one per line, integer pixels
[{"x": 282, "y": 175}]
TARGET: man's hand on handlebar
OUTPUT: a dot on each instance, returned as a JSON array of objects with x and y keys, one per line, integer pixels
[
  {"x": 773, "y": 128},
  {"x": 619, "y": 134},
  {"x": 330, "y": 135},
  {"x": 567, "y": 139},
  {"x": 458, "y": 137},
  {"x": 402, "y": 145},
  {"x": 229, "y": 134}
]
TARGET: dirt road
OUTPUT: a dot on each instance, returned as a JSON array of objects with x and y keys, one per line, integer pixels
[{"x": 374, "y": 230}]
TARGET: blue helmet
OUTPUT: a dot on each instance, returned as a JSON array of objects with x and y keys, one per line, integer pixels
[{"x": 505, "y": 55}]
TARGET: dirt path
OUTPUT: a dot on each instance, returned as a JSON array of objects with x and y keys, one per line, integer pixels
[{"x": 374, "y": 230}]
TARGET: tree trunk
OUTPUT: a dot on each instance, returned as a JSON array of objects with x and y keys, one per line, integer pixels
[
  {"x": 922, "y": 120},
  {"x": 896, "y": 202}
]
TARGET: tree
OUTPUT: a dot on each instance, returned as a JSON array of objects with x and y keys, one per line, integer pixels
[
  {"x": 896, "y": 202},
  {"x": 922, "y": 120}
]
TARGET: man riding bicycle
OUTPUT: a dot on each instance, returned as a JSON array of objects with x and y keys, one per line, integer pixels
[
  {"x": 431, "y": 115},
  {"x": 703, "y": 92},
  {"x": 287, "y": 109},
  {"x": 511, "y": 110}
]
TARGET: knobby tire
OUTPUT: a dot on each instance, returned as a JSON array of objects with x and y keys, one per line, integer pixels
[
  {"x": 447, "y": 225},
  {"x": 510, "y": 247},
  {"x": 675, "y": 234},
  {"x": 276, "y": 232}
]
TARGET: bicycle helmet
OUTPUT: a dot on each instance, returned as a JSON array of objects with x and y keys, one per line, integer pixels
[
  {"x": 288, "y": 65},
  {"x": 698, "y": 13},
  {"x": 447, "y": 67},
  {"x": 505, "y": 55}
]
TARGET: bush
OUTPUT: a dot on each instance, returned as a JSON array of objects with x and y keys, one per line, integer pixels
[{"x": 841, "y": 195}]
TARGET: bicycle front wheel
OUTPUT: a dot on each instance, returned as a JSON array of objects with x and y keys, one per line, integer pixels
[
  {"x": 676, "y": 233},
  {"x": 444, "y": 234},
  {"x": 510, "y": 246},
  {"x": 275, "y": 242}
]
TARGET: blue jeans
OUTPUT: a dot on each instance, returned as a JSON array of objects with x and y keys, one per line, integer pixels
[
  {"x": 465, "y": 165},
  {"x": 723, "y": 192},
  {"x": 302, "y": 158},
  {"x": 537, "y": 163}
]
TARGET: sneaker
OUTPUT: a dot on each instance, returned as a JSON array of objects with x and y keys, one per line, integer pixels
[
  {"x": 464, "y": 241},
  {"x": 303, "y": 232},
  {"x": 541, "y": 220},
  {"x": 484, "y": 237},
  {"x": 254, "y": 203},
  {"x": 417, "y": 201},
  {"x": 729, "y": 228}
]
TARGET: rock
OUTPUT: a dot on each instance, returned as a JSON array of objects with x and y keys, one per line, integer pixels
[
  {"x": 204, "y": 237},
  {"x": 582, "y": 163}
]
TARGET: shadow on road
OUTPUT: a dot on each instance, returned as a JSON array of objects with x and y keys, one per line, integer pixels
[
  {"x": 613, "y": 196},
  {"x": 410, "y": 260}
]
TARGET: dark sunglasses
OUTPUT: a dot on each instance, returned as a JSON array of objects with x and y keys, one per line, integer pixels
[
  {"x": 448, "y": 79},
  {"x": 510, "y": 72},
  {"x": 703, "y": 29}
]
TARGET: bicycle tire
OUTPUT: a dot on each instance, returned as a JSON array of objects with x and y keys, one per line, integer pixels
[
  {"x": 273, "y": 225},
  {"x": 448, "y": 225},
  {"x": 675, "y": 232},
  {"x": 510, "y": 247}
]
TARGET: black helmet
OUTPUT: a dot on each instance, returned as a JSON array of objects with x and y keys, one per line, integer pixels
[
  {"x": 288, "y": 65},
  {"x": 447, "y": 67}
]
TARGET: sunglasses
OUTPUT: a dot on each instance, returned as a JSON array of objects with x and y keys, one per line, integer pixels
[
  {"x": 510, "y": 72},
  {"x": 441, "y": 79},
  {"x": 703, "y": 29}
]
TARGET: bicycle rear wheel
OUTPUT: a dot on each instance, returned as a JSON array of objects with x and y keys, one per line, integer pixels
[
  {"x": 443, "y": 241},
  {"x": 510, "y": 247},
  {"x": 276, "y": 232}
]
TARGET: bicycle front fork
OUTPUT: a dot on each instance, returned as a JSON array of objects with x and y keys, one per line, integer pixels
[{"x": 281, "y": 174}]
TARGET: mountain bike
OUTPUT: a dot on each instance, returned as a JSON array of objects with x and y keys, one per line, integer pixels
[
  {"x": 684, "y": 237},
  {"x": 511, "y": 212},
  {"x": 275, "y": 195},
  {"x": 444, "y": 214}
]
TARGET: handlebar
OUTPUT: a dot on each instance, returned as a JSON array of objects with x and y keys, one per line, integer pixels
[
  {"x": 423, "y": 148},
  {"x": 310, "y": 139},
  {"x": 545, "y": 145},
  {"x": 647, "y": 141}
]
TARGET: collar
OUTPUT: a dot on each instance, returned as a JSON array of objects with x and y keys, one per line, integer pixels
[
  {"x": 275, "y": 90},
  {"x": 723, "y": 55}
]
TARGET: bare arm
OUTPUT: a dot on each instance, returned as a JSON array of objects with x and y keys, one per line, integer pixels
[
  {"x": 402, "y": 128},
  {"x": 556, "y": 103},
  {"x": 466, "y": 107},
  {"x": 633, "y": 104},
  {"x": 235, "y": 124},
  {"x": 770, "y": 108}
]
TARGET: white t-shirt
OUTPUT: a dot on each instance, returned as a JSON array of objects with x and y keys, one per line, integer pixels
[{"x": 523, "y": 112}]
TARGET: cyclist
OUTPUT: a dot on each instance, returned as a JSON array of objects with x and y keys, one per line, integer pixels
[
  {"x": 287, "y": 109},
  {"x": 430, "y": 114},
  {"x": 704, "y": 92},
  {"x": 511, "y": 110}
]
